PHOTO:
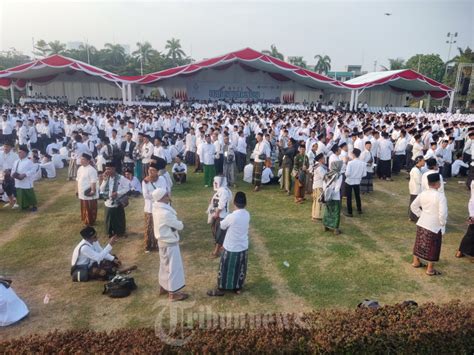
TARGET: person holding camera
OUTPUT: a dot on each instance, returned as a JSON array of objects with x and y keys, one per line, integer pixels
[
  {"x": 92, "y": 262},
  {"x": 114, "y": 189},
  {"x": 24, "y": 172}
]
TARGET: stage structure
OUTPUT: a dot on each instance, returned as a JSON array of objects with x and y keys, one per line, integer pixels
[
  {"x": 59, "y": 76},
  {"x": 396, "y": 88},
  {"x": 245, "y": 75}
]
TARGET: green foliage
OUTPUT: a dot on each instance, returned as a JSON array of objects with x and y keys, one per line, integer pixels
[
  {"x": 430, "y": 65},
  {"x": 274, "y": 52},
  {"x": 298, "y": 61},
  {"x": 395, "y": 64},
  {"x": 323, "y": 64}
]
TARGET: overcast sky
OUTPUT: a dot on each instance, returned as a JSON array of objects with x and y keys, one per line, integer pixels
[{"x": 350, "y": 32}]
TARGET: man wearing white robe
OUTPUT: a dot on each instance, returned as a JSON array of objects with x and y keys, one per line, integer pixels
[{"x": 166, "y": 227}]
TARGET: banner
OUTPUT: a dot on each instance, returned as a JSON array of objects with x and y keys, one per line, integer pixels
[{"x": 232, "y": 91}]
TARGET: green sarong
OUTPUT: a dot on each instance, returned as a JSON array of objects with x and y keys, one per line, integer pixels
[
  {"x": 332, "y": 214},
  {"x": 209, "y": 173},
  {"x": 26, "y": 198},
  {"x": 115, "y": 223}
]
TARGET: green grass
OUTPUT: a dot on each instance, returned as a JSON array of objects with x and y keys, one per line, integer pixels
[{"x": 371, "y": 259}]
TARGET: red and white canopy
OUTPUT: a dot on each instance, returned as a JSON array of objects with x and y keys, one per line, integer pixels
[
  {"x": 47, "y": 69},
  {"x": 250, "y": 60},
  {"x": 404, "y": 80}
]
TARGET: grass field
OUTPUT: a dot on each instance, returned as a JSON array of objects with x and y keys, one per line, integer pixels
[{"x": 370, "y": 259}]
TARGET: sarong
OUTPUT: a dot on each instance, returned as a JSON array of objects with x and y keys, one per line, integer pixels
[
  {"x": 229, "y": 172},
  {"x": 171, "y": 274},
  {"x": 367, "y": 183},
  {"x": 149, "y": 234},
  {"x": 308, "y": 184},
  {"x": 26, "y": 198},
  {"x": 115, "y": 223},
  {"x": 411, "y": 215},
  {"x": 88, "y": 212},
  {"x": 332, "y": 214},
  {"x": 316, "y": 211},
  {"x": 257, "y": 173},
  {"x": 190, "y": 158},
  {"x": 72, "y": 170},
  {"x": 138, "y": 170},
  {"x": 299, "y": 189},
  {"x": 209, "y": 173},
  {"x": 427, "y": 244},
  {"x": 145, "y": 169},
  {"x": 217, "y": 232},
  {"x": 232, "y": 270},
  {"x": 285, "y": 183},
  {"x": 467, "y": 243},
  {"x": 383, "y": 169}
]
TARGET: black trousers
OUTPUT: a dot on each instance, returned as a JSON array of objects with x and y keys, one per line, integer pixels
[{"x": 356, "y": 189}]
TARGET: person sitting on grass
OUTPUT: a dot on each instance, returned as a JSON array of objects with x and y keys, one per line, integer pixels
[
  {"x": 135, "y": 185},
  {"x": 92, "y": 262},
  {"x": 179, "y": 170},
  {"x": 233, "y": 263}
]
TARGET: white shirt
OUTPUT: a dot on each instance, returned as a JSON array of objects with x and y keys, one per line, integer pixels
[
  {"x": 123, "y": 187},
  {"x": 24, "y": 166},
  {"x": 385, "y": 149},
  {"x": 207, "y": 154},
  {"x": 237, "y": 226},
  {"x": 147, "y": 191},
  {"x": 224, "y": 197},
  {"x": 7, "y": 160},
  {"x": 456, "y": 166},
  {"x": 165, "y": 223},
  {"x": 248, "y": 173},
  {"x": 318, "y": 176},
  {"x": 432, "y": 209},
  {"x": 261, "y": 148},
  {"x": 57, "y": 161},
  {"x": 50, "y": 169},
  {"x": 179, "y": 168},
  {"x": 90, "y": 253},
  {"x": 86, "y": 175},
  {"x": 355, "y": 171},
  {"x": 414, "y": 185},
  {"x": 267, "y": 175}
]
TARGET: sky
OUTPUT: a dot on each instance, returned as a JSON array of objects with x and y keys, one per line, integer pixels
[{"x": 349, "y": 32}]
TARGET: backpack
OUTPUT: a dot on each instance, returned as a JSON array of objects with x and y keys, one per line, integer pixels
[{"x": 119, "y": 287}]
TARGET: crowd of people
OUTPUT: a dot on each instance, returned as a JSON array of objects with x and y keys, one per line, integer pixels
[{"x": 117, "y": 152}]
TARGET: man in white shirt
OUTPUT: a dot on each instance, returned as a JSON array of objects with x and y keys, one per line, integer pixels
[
  {"x": 114, "y": 189},
  {"x": 23, "y": 172},
  {"x": 459, "y": 167},
  {"x": 190, "y": 148},
  {"x": 207, "y": 157},
  {"x": 400, "y": 152},
  {"x": 48, "y": 171},
  {"x": 241, "y": 152},
  {"x": 414, "y": 185},
  {"x": 355, "y": 171},
  {"x": 179, "y": 170},
  {"x": 146, "y": 153},
  {"x": 260, "y": 153},
  {"x": 432, "y": 209},
  {"x": 92, "y": 262},
  {"x": 87, "y": 190},
  {"x": 384, "y": 170}
]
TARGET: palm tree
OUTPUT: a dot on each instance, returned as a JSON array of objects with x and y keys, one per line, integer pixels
[
  {"x": 175, "y": 52},
  {"x": 323, "y": 64},
  {"x": 394, "y": 64},
  {"x": 115, "y": 54},
  {"x": 273, "y": 52},
  {"x": 41, "y": 48},
  {"x": 298, "y": 61},
  {"x": 144, "y": 54},
  {"x": 56, "y": 47}
]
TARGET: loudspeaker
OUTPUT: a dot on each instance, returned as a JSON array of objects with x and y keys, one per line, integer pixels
[
  {"x": 465, "y": 86},
  {"x": 408, "y": 98},
  {"x": 30, "y": 87},
  {"x": 141, "y": 91},
  {"x": 320, "y": 97}
]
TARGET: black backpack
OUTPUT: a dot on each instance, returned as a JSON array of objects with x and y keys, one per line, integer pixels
[{"x": 119, "y": 287}]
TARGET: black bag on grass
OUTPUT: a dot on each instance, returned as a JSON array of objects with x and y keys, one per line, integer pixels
[{"x": 119, "y": 287}]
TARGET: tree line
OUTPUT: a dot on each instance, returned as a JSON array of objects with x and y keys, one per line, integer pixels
[{"x": 146, "y": 59}]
